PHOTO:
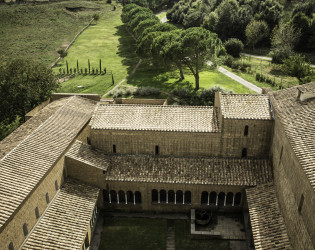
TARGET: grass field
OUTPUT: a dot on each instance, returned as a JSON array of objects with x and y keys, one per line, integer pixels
[
  {"x": 167, "y": 80},
  {"x": 149, "y": 234},
  {"x": 133, "y": 234},
  {"x": 107, "y": 40},
  {"x": 36, "y": 32},
  {"x": 273, "y": 71}
]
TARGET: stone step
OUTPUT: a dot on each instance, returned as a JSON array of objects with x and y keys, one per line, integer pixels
[{"x": 170, "y": 239}]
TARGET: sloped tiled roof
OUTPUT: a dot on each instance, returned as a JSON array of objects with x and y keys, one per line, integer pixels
[
  {"x": 25, "y": 166},
  {"x": 156, "y": 118},
  {"x": 236, "y": 106},
  {"x": 298, "y": 121},
  {"x": 214, "y": 171},
  {"x": 84, "y": 153},
  {"x": 18, "y": 135},
  {"x": 66, "y": 220},
  {"x": 268, "y": 227}
]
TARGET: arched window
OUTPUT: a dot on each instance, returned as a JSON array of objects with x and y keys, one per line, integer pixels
[
  {"x": 204, "y": 198},
  {"x": 244, "y": 152},
  {"x": 221, "y": 198},
  {"x": 105, "y": 196},
  {"x": 237, "y": 199},
  {"x": 162, "y": 196},
  {"x": 179, "y": 197},
  {"x": 187, "y": 197},
  {"x": 129, "y": 197},
  {"x": 36, "y": 212},
  {"x": 138, "y": 197},
  {"x": 121, "y": 195},
  {"x": 229, "y": 199},
  {"x": 171, "y": 196},
  {"x": 155, "y": 196},
  {"x": 11, "y": 247},
  {"x": 25, "y": 230},
  {"x": 246, "y": 130},
  {"x": 113, "y": 196},
  {"x": 213, "y": 198}
]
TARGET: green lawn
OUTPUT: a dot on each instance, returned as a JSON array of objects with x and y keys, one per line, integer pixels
[
  {"x": 133, "y": 234},
  {"x": 151, "y": 234},
  {"x": 107, "y": 40},
  {"x": 167, "y": 79},
  {"x": 36, "y": 32}
]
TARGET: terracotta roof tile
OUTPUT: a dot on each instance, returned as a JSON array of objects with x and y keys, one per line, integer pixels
[
  {"x": 216, "y": 171},
  {"x": 245, "y": 106},
  {"x": 298, "y": 120},
  {"x": 156, "y": 118},
  {"x": 268, "y": 227},
  {"x": 64, "y": 224},
  {"x": 24, "y": 167},
  {"x": 84, "y": 153}
]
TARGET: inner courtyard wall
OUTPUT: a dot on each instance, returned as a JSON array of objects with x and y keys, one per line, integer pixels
[
  {"x": 145, "y": 142},
  {"x": 256, "y": 141},
  {"x": 291, "y": 183}
]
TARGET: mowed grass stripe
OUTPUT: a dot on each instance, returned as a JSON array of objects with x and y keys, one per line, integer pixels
[{"x": 107, "y": 40}]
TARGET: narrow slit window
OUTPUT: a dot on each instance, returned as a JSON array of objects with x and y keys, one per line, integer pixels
[
  {"x": 244, "y": 152},
  {"x": 56, "y": 185},
  {"x": 301, "y": 203},
  {"x": 47, "y": 198},
  {"x": 36, "y": 212},
  {"x": 157, "y": 150},
  {"x": 11, "y": 247},
  {"x": 246, "y": 130},
  {"x": 25, "y": 230},
  {"x": 114, "y": 148}
]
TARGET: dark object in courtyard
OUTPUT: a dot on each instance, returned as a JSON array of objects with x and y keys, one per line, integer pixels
[{"x": 202, "y": 218}]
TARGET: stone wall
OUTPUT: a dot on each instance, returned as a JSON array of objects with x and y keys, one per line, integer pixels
[
  {"x": 13, "y": 231},
  {"x": 257, "y": 142},
  {"x": 145, "y": 142},
  {"x": 291, "y": 183},
  {"x": 140, "y": 101}
]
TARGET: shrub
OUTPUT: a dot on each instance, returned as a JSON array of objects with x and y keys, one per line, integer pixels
[
  {"x": 105, "y": 71},
  {"x": 93, "y": 71},
  {"x": 62, "y": 53},
  {"x": 96, "y": 71},
  {"x": 74, "y": 70},
  {"x": 182, "y": 93},
  {"x": 85, "y": 70},
  {"x": 109, "y": 1},
  {"x": 228, "y": 60},
  {"x": 146, "y": 91},
  {"x": 70, "y": 71},
  {"x": 234, "y": 47}
]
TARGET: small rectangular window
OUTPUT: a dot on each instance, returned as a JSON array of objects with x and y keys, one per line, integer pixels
[
  {"x": 244, "y": 152},
  {"x": 301, "y": 203},
  {"x": 47, "y": 198},
  {"x": 25, "y": 230},
  {"x": 157, "y": 150},
  {"x": 56, "y": 185},
  {"x": 246, "y": 130},
  {"x": 114, "y": 148}
]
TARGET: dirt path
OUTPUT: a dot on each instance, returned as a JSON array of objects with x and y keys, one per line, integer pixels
[{"x": 265, "y": 58}]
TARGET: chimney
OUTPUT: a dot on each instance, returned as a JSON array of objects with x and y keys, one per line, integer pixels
[{"x": 304, "y": 96}]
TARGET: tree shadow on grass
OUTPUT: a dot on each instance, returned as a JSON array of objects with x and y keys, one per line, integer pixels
[{"x": 147, "y": 73}]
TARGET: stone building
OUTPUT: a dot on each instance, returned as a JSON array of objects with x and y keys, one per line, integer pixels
[{"x": 253, "y": 153}]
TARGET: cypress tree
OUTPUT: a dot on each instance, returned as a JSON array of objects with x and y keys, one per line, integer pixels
[
  {"x": 100, "y": 65},
  {"x": 89, "y": 66},
  {"x": 67, "y": 68}
]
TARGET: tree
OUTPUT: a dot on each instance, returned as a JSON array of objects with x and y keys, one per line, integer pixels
[
  {"x": 234, "y": 47},
  {"x": 143, "y": 25},
  {"x": 210, "y": 22},
  {"x": 168, "y": 47},
  {"x": 197, "y": 45},
  {"x": 283, "y": 39},
  {"x": 255, "y": 32},
  {"x": 296, "y": 66},
  {"x": 192, "y": 19},
  {"x": 301, "y": 23},
  {"x": 270, "y": 11},
  {"x": 228, "y": 20},
  {"x": 62, "y": 53},
  {"x": 23, "y": 85}
]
